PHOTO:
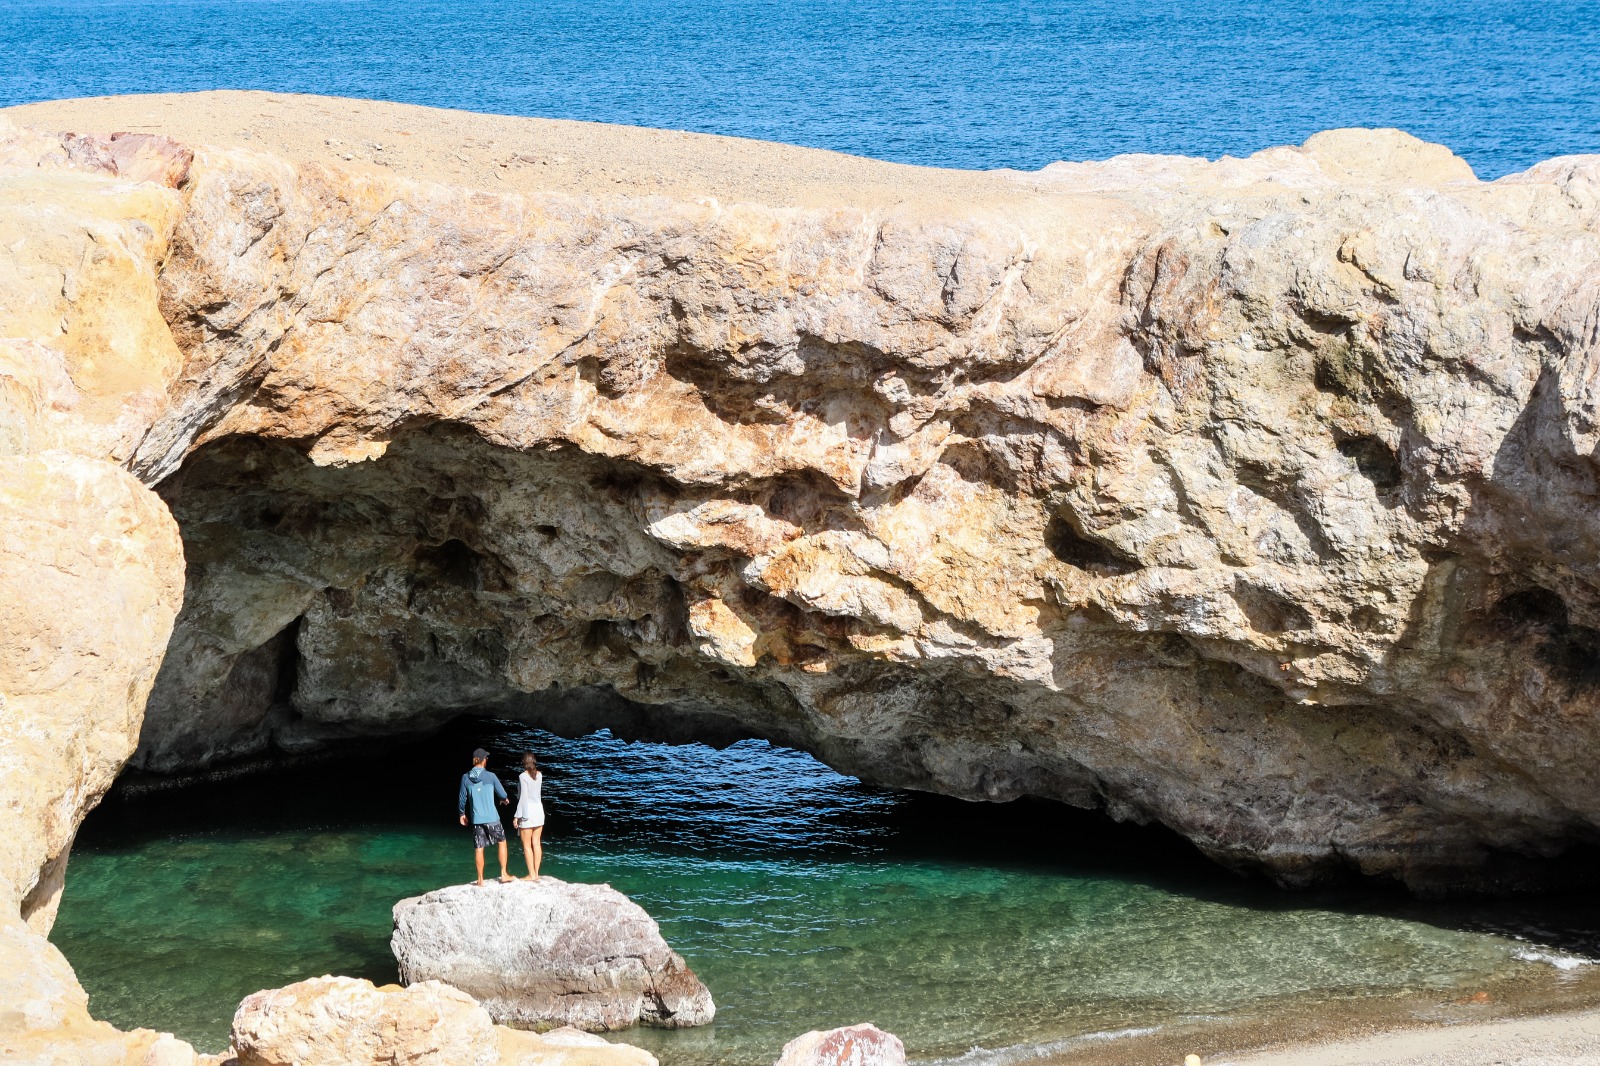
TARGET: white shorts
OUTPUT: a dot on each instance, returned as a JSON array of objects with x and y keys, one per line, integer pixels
[{"x": 534, "y": 822}]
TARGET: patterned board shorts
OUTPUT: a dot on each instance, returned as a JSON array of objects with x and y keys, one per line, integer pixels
[{"x": 488, "y": 833}]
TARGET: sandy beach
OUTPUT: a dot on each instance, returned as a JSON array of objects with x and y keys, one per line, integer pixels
[
  {"x": 1554, "y": 1040},
  {"x": 1538, "y": 1019}
]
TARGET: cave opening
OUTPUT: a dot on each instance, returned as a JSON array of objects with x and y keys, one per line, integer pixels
[
  {"x": 297, "y": 772},
  {"x": 1375, "y": 461}
]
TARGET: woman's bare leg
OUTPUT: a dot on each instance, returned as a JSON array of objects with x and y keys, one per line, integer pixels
[
  {"x": 527, "y": 853},
  {"x": 538, "y": 850}
]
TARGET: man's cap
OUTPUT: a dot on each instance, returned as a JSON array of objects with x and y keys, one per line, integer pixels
[{"x": 479, "y": 753}]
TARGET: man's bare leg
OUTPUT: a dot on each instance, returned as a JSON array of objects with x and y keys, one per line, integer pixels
[
  {"x": 505, "y": 874},
  {"x": 478, "y": 854}
]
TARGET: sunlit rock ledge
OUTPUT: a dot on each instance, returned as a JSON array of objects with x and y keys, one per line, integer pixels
[{"x": 1254, "y": 497}]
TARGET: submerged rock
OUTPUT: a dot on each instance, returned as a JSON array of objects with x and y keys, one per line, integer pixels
[
  {"x": 567, "y": 1047},
  {"x": 548, "y": 953},
  {"x": 341, "y": 1021},
  {"x": 852, "y": 1045}
]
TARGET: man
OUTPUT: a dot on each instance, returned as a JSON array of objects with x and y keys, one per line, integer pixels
[{"x": 483, "y": 788}]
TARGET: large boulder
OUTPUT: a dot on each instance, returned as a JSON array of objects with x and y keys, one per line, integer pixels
[
  {"x": 546, "y": 953},
  {"x": 852, "y": 1045}
]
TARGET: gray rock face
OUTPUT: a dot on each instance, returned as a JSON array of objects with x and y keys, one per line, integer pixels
[{"x": 548, "y": 953}]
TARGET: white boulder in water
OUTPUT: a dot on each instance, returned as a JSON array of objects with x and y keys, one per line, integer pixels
[
  {"x": 853, "y": 1045},
  {"x": 546, "y": 953}
]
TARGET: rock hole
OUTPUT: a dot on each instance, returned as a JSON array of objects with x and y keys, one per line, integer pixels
[
  {"x": 1075, "y": 549},
  {"x": 602, "y": 635},
  {"x": 620, "y": 484},
  {"x": 451, "y": 563},
  {"x": 674, "y": 613},
  {"x": 1531, "y": 608},
  {"x": 1269, "y": 612},
  {"x": 1375, "y": 460},
  {"x": 288, "y": 663},
  {"x": 806, "y": 500},
  {"x": 1335, "y": 376},
  {"x": 1571, "y": 653}
]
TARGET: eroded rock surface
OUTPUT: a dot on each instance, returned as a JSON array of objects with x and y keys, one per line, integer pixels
[
  {"x": 91, "y": 565},
  {"x": 543, "y": 954},
  {"x": 342, "y": 1021},
  {"x": 1253, "y": 497}
]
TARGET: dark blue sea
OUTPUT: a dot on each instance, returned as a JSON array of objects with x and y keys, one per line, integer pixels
[{"x": 965, "y": 83}]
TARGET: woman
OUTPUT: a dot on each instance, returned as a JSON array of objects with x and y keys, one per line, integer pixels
[{"x": 529, "y": 818}]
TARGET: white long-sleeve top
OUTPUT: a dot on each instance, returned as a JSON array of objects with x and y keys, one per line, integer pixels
[{"x": 530, "y": 803}]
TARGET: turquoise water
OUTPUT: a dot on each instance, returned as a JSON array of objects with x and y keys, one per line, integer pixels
[
  {"x": 967, "y": 83},
  {"x": 804, "y": 899}
]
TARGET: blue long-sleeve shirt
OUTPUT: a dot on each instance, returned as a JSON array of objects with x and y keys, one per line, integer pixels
[{"x": 482, "y": 788}]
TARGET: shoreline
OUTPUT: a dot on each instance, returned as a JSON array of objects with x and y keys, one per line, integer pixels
[
  {"x": 1570, "y": 1037},
  {"x": 1553, "y": 1011}
]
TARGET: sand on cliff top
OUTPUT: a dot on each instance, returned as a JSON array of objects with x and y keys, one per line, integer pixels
[{"x": 505, "y": 153}]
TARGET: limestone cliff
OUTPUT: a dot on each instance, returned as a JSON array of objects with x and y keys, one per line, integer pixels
[
  {"x": 1254, "y": 497},
  {"x": 91, "y": 567}
]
